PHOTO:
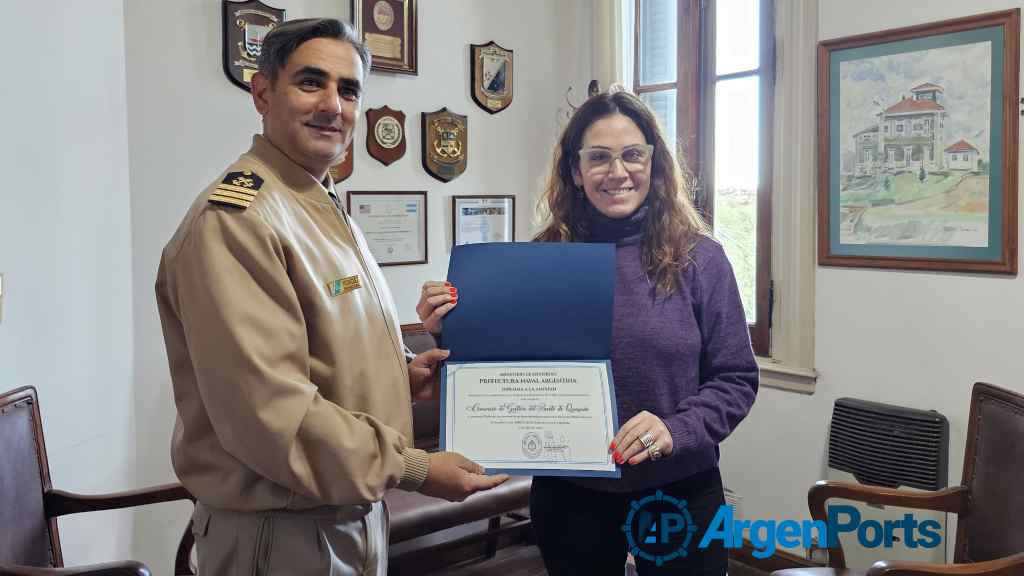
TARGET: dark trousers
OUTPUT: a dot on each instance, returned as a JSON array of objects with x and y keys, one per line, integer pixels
[{"x": 580, "y": 531}]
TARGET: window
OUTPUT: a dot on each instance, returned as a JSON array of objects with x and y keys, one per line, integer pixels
[{"x": 706, "y": 68}]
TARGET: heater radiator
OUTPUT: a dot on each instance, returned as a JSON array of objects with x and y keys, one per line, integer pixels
[{"x": 894, "y": 447}]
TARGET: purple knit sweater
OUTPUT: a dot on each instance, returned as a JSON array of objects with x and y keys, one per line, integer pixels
[{"x": 687, "y": 359}]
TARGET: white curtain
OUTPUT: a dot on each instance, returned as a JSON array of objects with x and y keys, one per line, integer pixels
[
  {"x": 613, "y": 42},
  {"x": 794, "y": 183}
]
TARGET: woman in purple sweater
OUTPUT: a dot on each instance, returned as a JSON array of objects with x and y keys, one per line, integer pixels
[{"x": 684, "y": 371}]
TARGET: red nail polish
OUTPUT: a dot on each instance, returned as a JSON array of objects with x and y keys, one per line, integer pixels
[
  {"x": 447, "y": 283},
  {"x": 612, "y": 445},
  {"x": 617, "y": 455}
]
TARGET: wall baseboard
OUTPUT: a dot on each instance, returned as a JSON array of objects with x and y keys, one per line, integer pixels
[{"x": 780, "y": 560}]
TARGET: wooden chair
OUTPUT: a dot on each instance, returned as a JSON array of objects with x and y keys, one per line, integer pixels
[
  {"x": 989, "y": 501},
  {"x": 29, "y": 506}
]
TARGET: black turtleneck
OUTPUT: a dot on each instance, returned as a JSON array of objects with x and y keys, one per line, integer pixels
[{"x": 626, "y": 230}]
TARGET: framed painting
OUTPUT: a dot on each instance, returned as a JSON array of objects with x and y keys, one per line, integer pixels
[{"x": 917, "y": 146}]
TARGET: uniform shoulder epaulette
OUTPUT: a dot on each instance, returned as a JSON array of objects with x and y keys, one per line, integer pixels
[{"x": 237, "y": 189}]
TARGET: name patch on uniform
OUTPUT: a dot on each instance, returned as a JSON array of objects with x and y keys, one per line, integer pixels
[
  {"x": 237, "y": 189},
  {"x": 344, "y": 285}
]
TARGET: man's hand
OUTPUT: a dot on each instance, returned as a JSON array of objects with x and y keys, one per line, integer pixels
[
  {"x": 454, "y": 477},
  {"x": 423, "y": 374}
]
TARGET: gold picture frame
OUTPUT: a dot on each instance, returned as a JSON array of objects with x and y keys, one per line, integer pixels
[{"x": 388, "y": 28}]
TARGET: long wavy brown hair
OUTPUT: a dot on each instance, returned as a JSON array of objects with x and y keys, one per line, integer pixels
[{"x": 672, "y": 225}]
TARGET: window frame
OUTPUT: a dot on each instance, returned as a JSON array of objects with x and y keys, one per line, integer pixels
[{"x": 695, "y": 91}]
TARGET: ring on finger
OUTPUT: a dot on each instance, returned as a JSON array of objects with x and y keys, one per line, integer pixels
[
  {"x": 654, "y": 452},
  {"x": 647, "y": 440}
]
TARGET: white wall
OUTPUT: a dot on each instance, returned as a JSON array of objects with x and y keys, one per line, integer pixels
[
  {"x": 508, "y": 151},
  {"x": 65, "y": 251},
  {"x": 910, "y": 338},
  {"x": 186, "y": 122}
]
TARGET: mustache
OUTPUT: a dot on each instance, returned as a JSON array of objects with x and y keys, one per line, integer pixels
[{"x": 327, "y": 120}]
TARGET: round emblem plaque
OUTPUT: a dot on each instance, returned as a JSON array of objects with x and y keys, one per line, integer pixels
[
  {"x": 383, "y": 15},
  {"x": 388, "y": 132}
]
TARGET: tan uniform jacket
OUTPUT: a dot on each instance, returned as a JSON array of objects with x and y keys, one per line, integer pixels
[{"x": 290, "y": 393}]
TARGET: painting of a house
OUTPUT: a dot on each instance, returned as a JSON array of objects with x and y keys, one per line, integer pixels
[
  {"x": 961, "y": 156},
  {"x": 914, "y": 140},
  {"x": 908, "y": 134}
]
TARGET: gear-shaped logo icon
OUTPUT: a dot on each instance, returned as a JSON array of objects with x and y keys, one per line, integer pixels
[{"x": 653, "y": 525}]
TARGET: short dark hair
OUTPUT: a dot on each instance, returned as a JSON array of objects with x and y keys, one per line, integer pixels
[{"x": 285, "y": 39}]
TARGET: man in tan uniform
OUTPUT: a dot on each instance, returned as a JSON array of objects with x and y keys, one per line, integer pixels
[{"x": 292, "y": 389}]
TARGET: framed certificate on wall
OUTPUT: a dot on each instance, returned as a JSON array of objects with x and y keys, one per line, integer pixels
[
  {"x": 477, "y": 219},
  {"x": 388, "y": 27},
  {"x": 394, "y": 224}
]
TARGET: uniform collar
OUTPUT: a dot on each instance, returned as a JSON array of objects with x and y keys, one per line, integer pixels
[{"x": 292, "y": 175}]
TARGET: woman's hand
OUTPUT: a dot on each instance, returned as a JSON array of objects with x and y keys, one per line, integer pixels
[
  {"x": 628, "y": 445},
  {"x": 436, "y": 300}
]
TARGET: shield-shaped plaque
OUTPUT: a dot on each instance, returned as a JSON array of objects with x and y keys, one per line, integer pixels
[
  {"x": 444, "y": 144},
  {"x": 385, "y": 134},
  {"x": 491, "y": 75},
  {"x": 245, "y": 26},
  {"x": 342, "y": 170}
]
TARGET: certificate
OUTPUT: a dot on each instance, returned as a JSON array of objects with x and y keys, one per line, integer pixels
[
  {"x": 478, "y": 219},
  {"x": 550, "y": 418},
  {"x": 394, "y": 224},
  {"x": 527, "y": 388}
]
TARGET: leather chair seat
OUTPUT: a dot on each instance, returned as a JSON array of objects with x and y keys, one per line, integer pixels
[{"x": 414, "y": 514}]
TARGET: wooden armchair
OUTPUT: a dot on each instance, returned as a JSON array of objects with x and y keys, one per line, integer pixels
[
  {"x": 29, "y": 507},
  {"x": 989, "y": 501}
]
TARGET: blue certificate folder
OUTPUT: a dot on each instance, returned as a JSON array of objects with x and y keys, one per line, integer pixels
[
  {"x": 528, "y": 302},
  {"x": 531, "y": 301}
]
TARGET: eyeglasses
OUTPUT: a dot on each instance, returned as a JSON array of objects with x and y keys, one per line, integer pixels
[{"x": 599, "y": 160}]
